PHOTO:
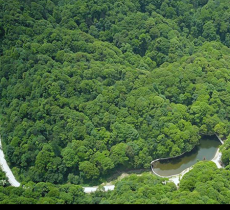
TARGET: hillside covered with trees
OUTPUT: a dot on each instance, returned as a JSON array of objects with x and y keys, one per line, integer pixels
[{"x": 88, "y": 88}]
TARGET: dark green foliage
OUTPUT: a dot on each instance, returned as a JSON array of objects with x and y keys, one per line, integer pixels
[
  {"x": 44, "y": 193},
  {"x": 88, "y": 88}
]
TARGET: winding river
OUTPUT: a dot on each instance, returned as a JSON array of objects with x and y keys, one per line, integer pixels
[{"x": 206, "y": 150}]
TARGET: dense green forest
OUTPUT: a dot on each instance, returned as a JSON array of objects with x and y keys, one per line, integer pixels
[
  {"x": 204, "y": 184},
  {"x": 91, "y": 87}
]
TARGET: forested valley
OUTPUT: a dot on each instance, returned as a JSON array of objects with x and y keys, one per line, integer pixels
[{"x": 89, "y": 88}]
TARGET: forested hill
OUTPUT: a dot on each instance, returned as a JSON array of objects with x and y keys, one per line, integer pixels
[{"x": 90, "y": 87}]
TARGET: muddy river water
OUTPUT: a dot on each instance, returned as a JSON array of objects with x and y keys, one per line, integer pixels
[{"x": 205, "y": 150}]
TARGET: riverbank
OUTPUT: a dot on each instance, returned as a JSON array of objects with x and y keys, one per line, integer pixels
[
  {"x": 216, "y": 159},
  {"x": 109, "y": 184}
]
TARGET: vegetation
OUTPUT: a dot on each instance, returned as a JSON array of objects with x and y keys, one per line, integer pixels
[
  {"x": 89, "y": 88},
  {"x": 3, "y": 179},
  {"x": 204, "y": 184}
]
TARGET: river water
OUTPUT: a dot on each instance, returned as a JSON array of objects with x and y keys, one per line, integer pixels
[{"x": 205, "y": 150}]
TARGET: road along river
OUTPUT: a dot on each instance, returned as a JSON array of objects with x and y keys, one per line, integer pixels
[{"x": 6, "y": 168}]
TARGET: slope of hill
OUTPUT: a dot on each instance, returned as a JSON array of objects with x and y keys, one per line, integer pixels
[{"x": 89, "y": 88}]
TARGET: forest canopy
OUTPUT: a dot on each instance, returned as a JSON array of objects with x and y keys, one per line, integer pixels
[{"x": 88, "y": 88}]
